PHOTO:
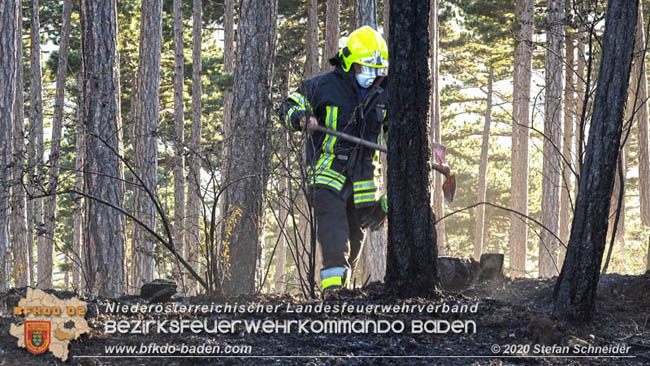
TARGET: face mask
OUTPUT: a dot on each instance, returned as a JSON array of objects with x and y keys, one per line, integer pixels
[
  {"x": 366, "y": 77},
  {"x": 365, "y": 80}
]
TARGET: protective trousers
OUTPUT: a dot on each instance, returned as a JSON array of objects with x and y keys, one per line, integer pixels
[{"x": 339, "y": 233}]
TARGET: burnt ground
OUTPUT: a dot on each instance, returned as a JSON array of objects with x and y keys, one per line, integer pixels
[{"x": 513, "y": 312}]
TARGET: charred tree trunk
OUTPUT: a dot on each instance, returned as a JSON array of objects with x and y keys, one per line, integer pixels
[
  {"x": 146, "y": 148},
  {"x": 8, "y": 43},
  {"x": 22, "y": 269},
  {"x": 104, "y": 242},
  {"x": 436, "y": 128},
  {"x": 520, "y": 123},
  {"x": 57, "y": 127},
  {"x": 479, "y": 242},
  {"x": 311, "y": 62},
  {"x": 641, "y": 77},
  {"x": 332, "y": 30},
  {"x": 552, "y": 166},
  {"x": 44, "y": 270},
  {"x": 575, "y": 291},
  {"x": 365, "y": 13},
  {"x": 179, "y": 137},
  {"x": 193, "y": 208},
  {"x": 252, "y": 113},
  {"x": 412, "y": 251}
]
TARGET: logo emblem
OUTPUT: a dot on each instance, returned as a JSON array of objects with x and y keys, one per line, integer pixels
[{"x": 37, "y": 335}]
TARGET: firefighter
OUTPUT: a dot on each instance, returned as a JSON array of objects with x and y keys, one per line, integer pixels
[{"x": 342, "y": 178}]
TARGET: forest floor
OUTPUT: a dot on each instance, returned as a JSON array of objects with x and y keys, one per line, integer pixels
[{"x": 510, "y": 317}]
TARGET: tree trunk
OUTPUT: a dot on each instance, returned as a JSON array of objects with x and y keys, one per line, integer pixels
[
  {"x": 386, "y": 16},
  {"x": 57, "y": 127},
  {"x": 436, "y": 128},
  {"x": 569, "y": 112},
  {"x": 21, "y": 263},
  {"x": 552, "y": 162},
  {"x": 374, "y": 246},
  {"x": 193, "y": 216},
  {"x": 104, "y": 243},
  {"x": 146, "y": 147},
  {"x": 284, "y": 196},
  {"x": 311, "y": 61},
  {"x": 44, "y": 270},
  {"x": 280, "y": 278},
  {"x": 78, "y": 282},
  {"x": 580, "y": 97},
  {"x": 479, "y": 242},
  {"x": 575, "y": 291},
  {"x": 251, "y": 112},
  {"x": 179, "y": 141},
  {"x": 8, "y": 52},
  {"x": 640, "y": 79},
  {"x": 365, "y": 13},
  {"x": 412, "y": 251},
  {"x": 520, "y": 123},
  {"x": 332, "y": 30},
  {"x": 228, "y": 60}
]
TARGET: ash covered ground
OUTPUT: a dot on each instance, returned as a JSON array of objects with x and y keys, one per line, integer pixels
[{"x": 514, "y": 312}]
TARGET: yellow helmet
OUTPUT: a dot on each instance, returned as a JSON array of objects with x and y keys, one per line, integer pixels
[{"x": 366, "y": 47}]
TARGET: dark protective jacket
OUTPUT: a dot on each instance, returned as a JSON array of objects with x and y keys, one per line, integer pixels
[{"x": 334, "y": 99}]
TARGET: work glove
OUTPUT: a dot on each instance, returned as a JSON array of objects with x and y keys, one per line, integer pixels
[{"x": 374, "y": 216}]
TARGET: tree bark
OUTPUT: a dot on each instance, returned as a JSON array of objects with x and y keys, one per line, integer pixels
[
  {"x": 251, "y": 113},
  {"x": 193, "y": 215},
  {"x": 569, "y": 112},
  {"x": 44, "y": 270},
  {"x": 479, "y": 245},
  {"x": 8, "y": 52},
  {"x": 280, "y": 277},
  {"x": 228, "y": 60},
  {"x": 22, "y": 270},
  {"x": 104, "y": 242},
  {"x": 311, "y": 61},
  {"x": 78, "y": 282},
  {"x": 179, "y": 140},
  {"x": 365, "y": 13},
  {"x": 436, "y": 128},
  {"x": 332, "y": 30},
  {"x": 412, "y": 251},
  {"x": 146, "y": 147},
  {"x": 520, "y": 123},
  {"x": 552, "y": 162},
  {"x": 374, "y": 246},
  {"x": 575, "y": 291},
  {"x": 57, "y": 127},
  {"x": 386, "y": 16},
  {"x": 641, "y": 78}
]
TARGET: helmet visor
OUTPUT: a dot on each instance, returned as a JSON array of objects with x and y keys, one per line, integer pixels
[{"x": 374, "y": 61}]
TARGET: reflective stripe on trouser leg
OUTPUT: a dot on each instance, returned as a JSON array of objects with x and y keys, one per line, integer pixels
[
  {"x": 335, "y": 276},
  {"x": 331, "y": 227}
]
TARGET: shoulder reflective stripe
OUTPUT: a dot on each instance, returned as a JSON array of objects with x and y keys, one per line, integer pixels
[
  {"x": 302, "y": 101},
  {"x": 332, "y": 281}
]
